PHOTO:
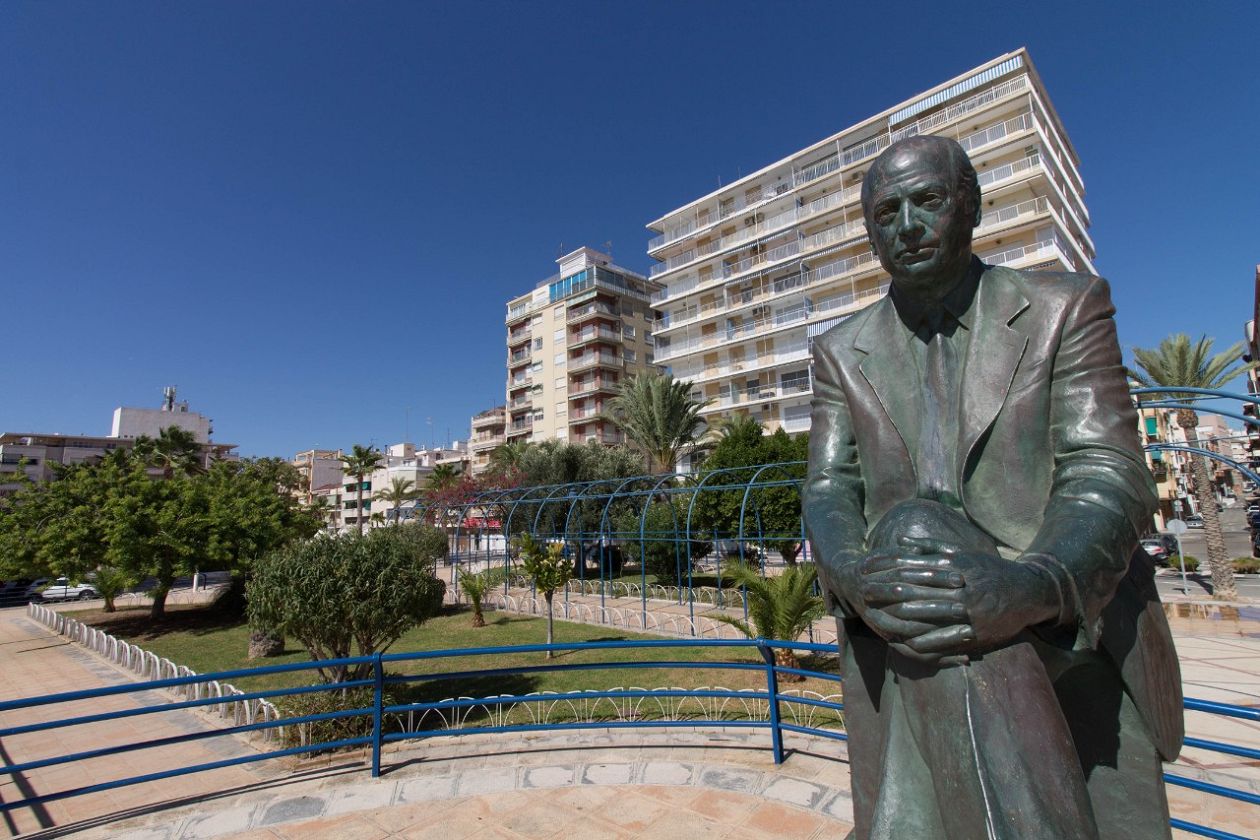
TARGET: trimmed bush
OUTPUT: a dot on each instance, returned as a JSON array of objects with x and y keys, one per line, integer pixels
[
  {"x": 1192, "y": 563},
  {"x": 1246, "y": 565}
]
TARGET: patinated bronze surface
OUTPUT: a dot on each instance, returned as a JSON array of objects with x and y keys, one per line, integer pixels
[{"x": 976, "y": 493}]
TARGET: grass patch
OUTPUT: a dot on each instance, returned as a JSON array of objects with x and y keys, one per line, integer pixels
[{"x": 208, "y": 641}]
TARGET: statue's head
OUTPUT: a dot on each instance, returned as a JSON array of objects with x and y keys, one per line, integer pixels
[{"x": 921, "y": 199}]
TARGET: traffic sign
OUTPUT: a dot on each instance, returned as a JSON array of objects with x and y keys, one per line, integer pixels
[{"x": 1176, "y": 527}]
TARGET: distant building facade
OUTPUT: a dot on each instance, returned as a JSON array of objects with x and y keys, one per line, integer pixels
[
  {"x": 132, "y": 423},
  {"x": 487, "y": 433},
  {"x": 753, "y": 272},
  {"x": 570, "y": 344}
]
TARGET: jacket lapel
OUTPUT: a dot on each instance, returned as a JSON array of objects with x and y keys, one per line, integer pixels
[
  {"x": 993, "y": 354},
  {"x": 888, "y": 367}
]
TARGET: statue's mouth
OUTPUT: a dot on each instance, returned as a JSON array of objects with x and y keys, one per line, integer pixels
[{"x": 909, "y": 256}]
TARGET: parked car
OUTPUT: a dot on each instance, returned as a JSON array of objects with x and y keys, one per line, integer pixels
[
  {"x": 13, "y": 592},
  {"x": 33, "y": 588},
  {"x": 1155, "y": 547},
  {"x": 1254, "y": 507},
  {"x": 1194, "y": 521},
  {"x": 62, "y": 589}
]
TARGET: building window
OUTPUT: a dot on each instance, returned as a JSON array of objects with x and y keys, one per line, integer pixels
[
  {"x": 627, "y": 331},
  {"x": 558, "y": 336},
  {"x": 536, "y": 367},
  {"x": 538, "y": 343},
  {"x": 630, "y": 355},
  {"x": 558, "y": 360},
  {"x": 559, "y": 382}
]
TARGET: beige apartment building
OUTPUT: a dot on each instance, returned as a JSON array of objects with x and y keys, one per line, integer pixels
[
  {"x": 487, "y": 432},
  {"x": 570, "y": 343},
  {"x": 753, "y": 272}
]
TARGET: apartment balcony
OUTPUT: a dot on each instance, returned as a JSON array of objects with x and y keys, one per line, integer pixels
[
  {"x": 605, "y": 334},
  {"x": 730, "y": 397},
  {"x": 606, "y": 438},
  {"x": 488, "y": 419},
  {"x": 518, "y": 357},
  {"x": 592, "y": 310},
  {"x": 592, "y": 360},
  {"x": 520, "y": 427},
  {"x": 590, "y": 387},
  {"x": 585, "y": 415},
  {"x": 520, "y": 401},
  {"x": 518, "y": 382},
  {"x": 519, "y": 336},
  {"x": 484, "y": 442}
]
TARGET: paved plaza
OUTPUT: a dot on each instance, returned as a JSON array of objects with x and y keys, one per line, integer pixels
[{"x": 701, "y": 784}]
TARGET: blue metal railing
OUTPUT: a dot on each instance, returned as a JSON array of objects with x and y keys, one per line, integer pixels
[{"x": 381, "y": 710}]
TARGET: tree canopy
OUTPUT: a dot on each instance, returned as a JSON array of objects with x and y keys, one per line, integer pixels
[
  {"x": 659, "y": 415},
  {"x": 118, "y": 514},
  {"x": 350, "y": 595},
  {"x": 1178, "y": 362}
]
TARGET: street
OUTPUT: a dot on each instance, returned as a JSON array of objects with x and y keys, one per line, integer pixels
[{"x": 1193, "y": 543}]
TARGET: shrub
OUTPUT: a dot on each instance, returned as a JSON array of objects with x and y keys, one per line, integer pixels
[
  {"x": 320, "y": 702},
  {"x": 1246, "y": 565},
  {"x": 351, "y": 595},
  {"x": 1192, "y": 563}
]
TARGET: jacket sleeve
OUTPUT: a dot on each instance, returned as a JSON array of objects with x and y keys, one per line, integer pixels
[
  {"x": 1102, "y": 495},
  {"x": 833, "y": 499}
]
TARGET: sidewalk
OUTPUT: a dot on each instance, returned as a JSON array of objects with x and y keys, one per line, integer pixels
[{"x": 35, "y": 661}]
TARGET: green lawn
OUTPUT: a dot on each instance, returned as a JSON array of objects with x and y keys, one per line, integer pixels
[{"x": 207, "y": 641}]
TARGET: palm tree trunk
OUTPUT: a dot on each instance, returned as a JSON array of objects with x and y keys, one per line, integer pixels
[
  {"x": 359, "y": 482},
  {"x": 1218, "y": 561},
  {"x": 785, "y": 658},
  {"x": 479, "y": 620}
]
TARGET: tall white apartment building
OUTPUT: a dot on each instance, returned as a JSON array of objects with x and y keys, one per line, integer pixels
[
  {"x": 755, "y": 270},
  {"x": 570, "y": 343}
]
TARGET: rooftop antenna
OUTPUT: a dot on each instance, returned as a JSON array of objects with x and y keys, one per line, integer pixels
[
  {"x": 168, "y": 398},
  {"x": 608, "y": 248},
  {"x": 560, "y": 251}
]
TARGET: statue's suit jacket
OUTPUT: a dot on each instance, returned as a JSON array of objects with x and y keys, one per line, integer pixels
[{"x": 1049, "y": 462}]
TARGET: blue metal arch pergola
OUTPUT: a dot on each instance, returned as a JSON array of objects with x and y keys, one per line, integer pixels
[{"x": 602, "y": 516}]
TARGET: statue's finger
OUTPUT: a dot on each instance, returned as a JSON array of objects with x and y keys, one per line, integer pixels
[
  {"x": 876, "y": 563},
  {"x": 891, "y": 628},
  {"x": 939, "y": 578},
  {"x": 930, "y": 612},
  {"x": 878, "y": 593},
  {"x": 953, "y": 639}
]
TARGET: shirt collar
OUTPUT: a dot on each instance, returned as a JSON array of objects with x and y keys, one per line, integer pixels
[{"x": 958, "y": 303}]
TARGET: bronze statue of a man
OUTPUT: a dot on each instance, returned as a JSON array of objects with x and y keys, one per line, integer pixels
[{"x": 975, "y": 497}]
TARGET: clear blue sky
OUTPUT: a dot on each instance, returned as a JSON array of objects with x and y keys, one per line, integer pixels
[{"x": 309, "y": 215}]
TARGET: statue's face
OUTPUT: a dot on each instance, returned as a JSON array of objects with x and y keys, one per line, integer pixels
[{"x": 919, "y": 221}]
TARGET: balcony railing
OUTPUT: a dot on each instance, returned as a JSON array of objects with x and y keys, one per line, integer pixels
[
  {"x": 590, "y": 310},
  {"x": 960, "y": 109},
  {"x": 831, "y": 163},
  {"x": 592, "y": 359},
  {"x": 589, "y": 386},
  {"x": 602, "y": 333}
]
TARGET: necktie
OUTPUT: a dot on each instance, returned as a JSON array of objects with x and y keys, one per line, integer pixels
[{"x": 937, "y": 429}]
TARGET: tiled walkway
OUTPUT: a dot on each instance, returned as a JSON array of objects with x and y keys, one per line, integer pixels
[{"x": 625, "y": 784}]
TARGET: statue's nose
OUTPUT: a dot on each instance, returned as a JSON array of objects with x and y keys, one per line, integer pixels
[{"x": 909, "y": 226}]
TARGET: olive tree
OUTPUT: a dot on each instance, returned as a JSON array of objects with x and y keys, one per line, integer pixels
[{"x": 351, "y": 595}]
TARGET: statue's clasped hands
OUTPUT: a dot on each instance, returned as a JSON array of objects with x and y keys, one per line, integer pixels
[{"x": 936, "y": 604}]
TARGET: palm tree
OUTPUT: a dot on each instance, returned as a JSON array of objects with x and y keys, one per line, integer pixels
[
  {"x": 659, "y": 415},
  {"x": 506, "y": 458},
  {"x": 780, "y": 607},
  {"x": 360, "y": 463},
  {"x": 443, "y": 476},
  {"x": 1176, "y": 362},
  {"x": 476, "y": 587},
  {"x": 400, "y": 490},
  {"x": 173, "y": 450}
]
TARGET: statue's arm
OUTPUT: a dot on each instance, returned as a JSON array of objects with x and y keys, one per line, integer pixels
[
  {"x": 833, "y": 497},
  {"x": 1102, "y": 496}
]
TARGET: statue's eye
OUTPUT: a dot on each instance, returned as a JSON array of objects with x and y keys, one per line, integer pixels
[
  {"x": 931, "y": 201},
  {"x": 885, "y": 213}
]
